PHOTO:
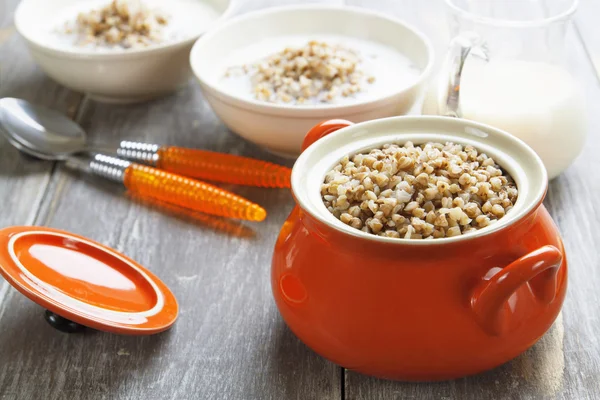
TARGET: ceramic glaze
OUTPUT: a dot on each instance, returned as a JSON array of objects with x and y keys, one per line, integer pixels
[
  {"x": 91, "y": 274},
  {"x": 412, "y": 309},
  {"x": 85, "y": 282}
]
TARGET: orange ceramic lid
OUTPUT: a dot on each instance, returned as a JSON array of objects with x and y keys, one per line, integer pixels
[{"x": 85, "y": 282}]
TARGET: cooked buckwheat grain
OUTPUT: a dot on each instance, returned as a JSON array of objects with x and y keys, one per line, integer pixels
[
  {"x": 427, "y": 191},
  {"x": 315, "y": 72},
  {"x": 125, "y": 23}
]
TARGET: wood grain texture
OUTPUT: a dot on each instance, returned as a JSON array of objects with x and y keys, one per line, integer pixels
[
  {"x": 23, "y": 181},
  {"x": 230, "y": 342}
]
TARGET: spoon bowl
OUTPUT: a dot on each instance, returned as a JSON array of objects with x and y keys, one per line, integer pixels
[{"x": 39, "y": 131}]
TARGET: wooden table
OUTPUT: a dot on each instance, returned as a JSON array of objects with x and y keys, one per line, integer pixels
[{"x": 229, "y": 341}]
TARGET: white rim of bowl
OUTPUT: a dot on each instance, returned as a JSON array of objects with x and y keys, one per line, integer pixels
[
  {"x": 534, "y": 23},
  {"x": 276, "y": 108},
  {"x": 93, "y": 54},
  {"x": 325, "y": 217}
]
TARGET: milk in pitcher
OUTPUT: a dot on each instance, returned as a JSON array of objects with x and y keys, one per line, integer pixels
[{"x": 539, "y": 103}]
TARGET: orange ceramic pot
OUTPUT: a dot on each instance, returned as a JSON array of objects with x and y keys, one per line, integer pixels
[{"x": 418, "y": 309}]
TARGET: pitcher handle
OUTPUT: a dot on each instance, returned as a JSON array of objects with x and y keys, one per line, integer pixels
[
  {"x": 461, "y": 46},
  {"x": 323, "y": 129},
  {"x": 539, "y": 268}
]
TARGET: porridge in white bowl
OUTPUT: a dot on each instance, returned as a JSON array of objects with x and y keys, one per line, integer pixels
[
  {"x": 316, "y": 70},
  {"x": 121, "y": 51},
  {"x": 118, "y": 25},
  {"x": 262, "y": 78}
]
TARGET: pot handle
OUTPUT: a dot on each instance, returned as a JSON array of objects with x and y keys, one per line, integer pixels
[
  {"x": 323, "y": 129},
  {"x": 538, "y": 268}
]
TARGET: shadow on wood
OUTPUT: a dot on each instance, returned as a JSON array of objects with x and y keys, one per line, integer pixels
[
  {"x": 539, "y": 370},
  {"x": 293, "y": 362},
  {"x": 217, "y": 224}
]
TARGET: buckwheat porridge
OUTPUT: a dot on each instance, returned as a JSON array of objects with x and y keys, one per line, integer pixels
[
  {"x": 320, "y": 69},
  {"x": 424, "y": 191},
  {"x": 119, "y": 25}
]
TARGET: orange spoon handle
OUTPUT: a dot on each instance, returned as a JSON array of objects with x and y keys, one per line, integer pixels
[
  {"x": 220, "y": 167},
  {"x": 148, "y": 182},
  {"x": 207, "y": 165}
]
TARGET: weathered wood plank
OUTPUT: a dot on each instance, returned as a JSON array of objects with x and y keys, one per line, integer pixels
[
  {"x": 565, "y": 363},
  {"x": 23, "y": 182},
  {"x": 229, "y": 341},
  {"x": 19, "y": 77}
]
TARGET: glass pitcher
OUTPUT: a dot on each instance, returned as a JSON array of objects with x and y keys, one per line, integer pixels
[{"x": 506, "y": 67}]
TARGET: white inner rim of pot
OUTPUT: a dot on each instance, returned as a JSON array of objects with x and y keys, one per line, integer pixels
[{"x": 513, "y": 155}]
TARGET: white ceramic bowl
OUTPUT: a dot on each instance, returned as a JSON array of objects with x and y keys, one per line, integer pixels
[
  {"x": 109, "y": 75},
  {"x": 281, "y": 128}
]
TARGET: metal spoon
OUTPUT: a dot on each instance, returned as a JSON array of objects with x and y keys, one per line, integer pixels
[
  {"x": 45, "y": 131},
  {"x": 40, "y": 132},
  {"x": 49, "y": 135}
]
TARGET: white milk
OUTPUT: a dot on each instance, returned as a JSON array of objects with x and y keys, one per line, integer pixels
[
  {"x": 537, "y": 102},
  {"x": 186, "y": 19},
  {"x": 392, "y": 69}
]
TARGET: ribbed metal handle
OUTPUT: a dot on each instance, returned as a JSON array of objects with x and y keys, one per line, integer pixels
[
  {"x": 146, "y": 153},
  {"x": 111, "y": 168}
]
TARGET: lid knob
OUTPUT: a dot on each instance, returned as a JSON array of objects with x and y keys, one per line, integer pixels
[{"x": 62, "y": 324}]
